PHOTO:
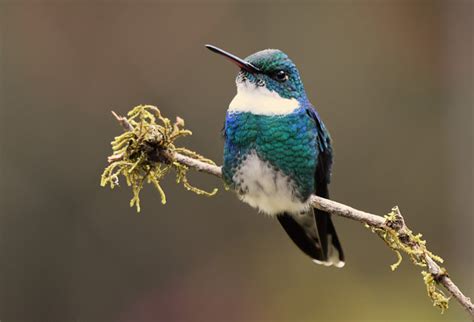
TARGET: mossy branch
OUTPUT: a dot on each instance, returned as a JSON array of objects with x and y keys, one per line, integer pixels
[{"x": 146, "y": 153}]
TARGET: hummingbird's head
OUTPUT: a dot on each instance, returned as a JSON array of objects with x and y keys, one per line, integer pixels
[
  {"x": 267, "y": 78},
  {"x": 276, "y": 72}
]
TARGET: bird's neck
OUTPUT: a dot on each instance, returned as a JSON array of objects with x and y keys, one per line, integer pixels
[{"x": 260, "y": 100}]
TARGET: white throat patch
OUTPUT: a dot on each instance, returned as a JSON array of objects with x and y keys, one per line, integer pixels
[{"x": 261, "y": 101}]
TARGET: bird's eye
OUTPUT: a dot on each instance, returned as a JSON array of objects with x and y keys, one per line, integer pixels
[{"x": 281, "y": 76}]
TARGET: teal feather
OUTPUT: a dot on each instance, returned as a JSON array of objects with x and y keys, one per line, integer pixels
[{"x": 287, "y": 142}]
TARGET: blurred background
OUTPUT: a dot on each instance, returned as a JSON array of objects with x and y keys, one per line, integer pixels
[{"x": 393, "y": 81}]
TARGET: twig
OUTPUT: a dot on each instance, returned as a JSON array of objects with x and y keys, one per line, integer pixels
[
  {"x": 198, "y": 165},
  {"x": 413, "y": 245},
  {"x": 123, "y": 122}
]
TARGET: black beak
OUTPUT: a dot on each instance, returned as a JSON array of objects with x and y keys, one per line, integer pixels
[{"x": 236, "y": 60}]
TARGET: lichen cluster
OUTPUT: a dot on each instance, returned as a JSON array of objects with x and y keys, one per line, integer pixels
[
  {"x": 144, "y": 153},
  {"x": 400, "y": 239}
]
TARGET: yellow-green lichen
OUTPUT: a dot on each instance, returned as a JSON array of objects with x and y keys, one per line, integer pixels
[
  {"x": 144, "y": 153},
  {"x": 437, "y": 296},
  {"x": 400, "y": 239}
]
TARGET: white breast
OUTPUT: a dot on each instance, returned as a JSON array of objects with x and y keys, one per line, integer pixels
[
  {"x": 261, "y": 101},
  {"x": 266, "y": 189}
]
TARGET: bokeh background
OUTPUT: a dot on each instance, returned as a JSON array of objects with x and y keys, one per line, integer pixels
[{"x": 393, "y": 81}]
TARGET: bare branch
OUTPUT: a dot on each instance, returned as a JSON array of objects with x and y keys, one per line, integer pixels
[
  {"x": 198, "y": 165},
  {"x": 369, "y": 219},
  {"x": 123, "y": 122}
]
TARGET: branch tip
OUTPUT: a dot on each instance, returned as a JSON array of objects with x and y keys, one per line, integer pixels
[{"x": 145, "y": 153}]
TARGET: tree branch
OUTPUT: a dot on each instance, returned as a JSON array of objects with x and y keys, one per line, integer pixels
[
  {"x": 391, "y": 228},
  {"x": 369, "y": 219}
]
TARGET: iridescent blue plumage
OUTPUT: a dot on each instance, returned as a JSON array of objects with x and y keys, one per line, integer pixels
[
  {"x": 278, "y": 152},
  {"x": 287, "y": 142}
]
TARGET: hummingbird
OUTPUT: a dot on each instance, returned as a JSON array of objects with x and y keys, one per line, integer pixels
[{"x": 278, "y": 152}]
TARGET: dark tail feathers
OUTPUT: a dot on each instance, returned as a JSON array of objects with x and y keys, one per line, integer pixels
[{"x": 315, "y": 235}]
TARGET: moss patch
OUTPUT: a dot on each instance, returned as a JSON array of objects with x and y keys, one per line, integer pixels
[
  {"x": 402, "y": 240},
  {"x": 144, "y": 153}
]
